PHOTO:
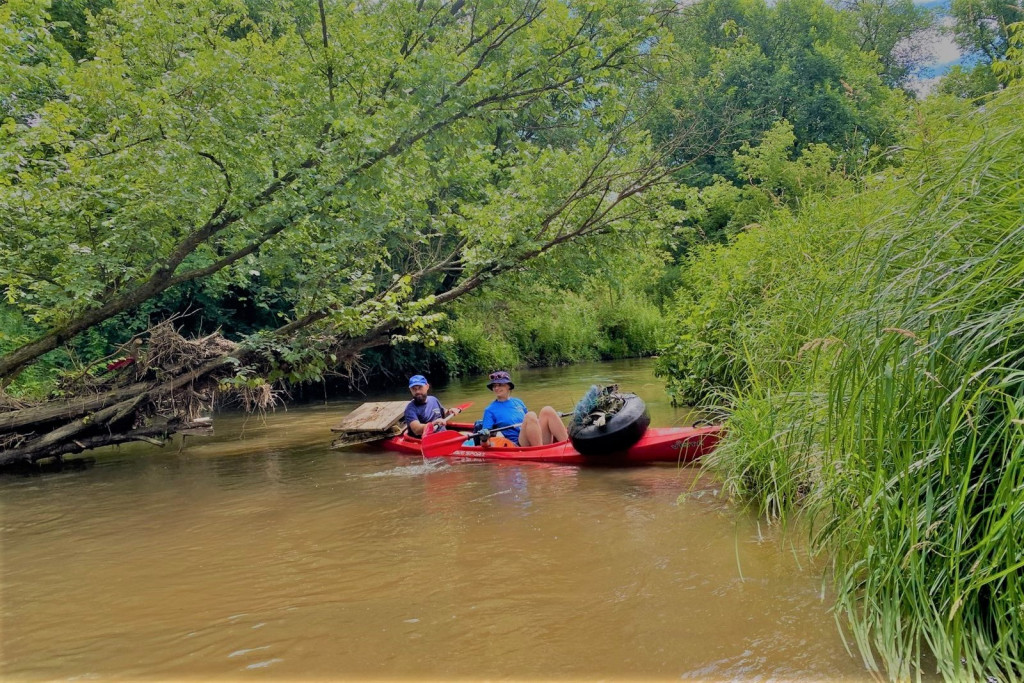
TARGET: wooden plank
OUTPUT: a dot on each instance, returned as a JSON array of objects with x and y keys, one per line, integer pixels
[
  {"x": 372, "y": 417},
  {"x": 347, "y": 439},
  {"x": 201, "y": 426}
]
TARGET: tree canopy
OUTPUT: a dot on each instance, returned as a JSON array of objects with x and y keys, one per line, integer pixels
[
  {"x": 359, "y": 164},
  {"x": 751, "y": 65},
  {"x": 375, "y": 141}
]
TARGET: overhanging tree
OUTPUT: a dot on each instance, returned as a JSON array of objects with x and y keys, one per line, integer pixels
[{"x": 368, "y": 163}]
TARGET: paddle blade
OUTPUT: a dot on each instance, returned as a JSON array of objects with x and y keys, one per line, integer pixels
[{"x": 440, "y": 444}]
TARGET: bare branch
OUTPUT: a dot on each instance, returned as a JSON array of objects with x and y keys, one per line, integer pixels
[{"x": 327, "y": 55}]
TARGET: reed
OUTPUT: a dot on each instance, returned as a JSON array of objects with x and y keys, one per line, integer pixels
[
  {"x": 893, "y": 421},
  {"x": 923, "y": 405}
]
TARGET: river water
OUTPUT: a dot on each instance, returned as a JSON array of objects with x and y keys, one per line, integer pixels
[{"x": 261, "y": 553}]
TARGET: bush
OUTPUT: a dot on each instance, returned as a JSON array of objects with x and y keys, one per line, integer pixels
[
  {"x": 629, "y": 326},
  {"x": 748, "y": 302},
  {"x": 875, "y": 348},
  {"x": 544, "y": 327},
  {"x": 475, "y": 349}
]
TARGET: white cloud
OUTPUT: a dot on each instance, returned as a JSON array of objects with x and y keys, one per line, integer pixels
[
  {"x": 923, "y": 87},
  {"x": 940, "y": 44},
  {"x": 941, "y": 52}
]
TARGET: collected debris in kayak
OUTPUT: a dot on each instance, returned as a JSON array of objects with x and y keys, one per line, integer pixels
[
  {"x": 608, "y": 421},
  {"x": 370, "y": 422}
]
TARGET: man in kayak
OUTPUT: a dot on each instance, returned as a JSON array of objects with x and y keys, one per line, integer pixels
[
  {"x": 423, "y": 408},
  {"x": 506, "y": 413}
]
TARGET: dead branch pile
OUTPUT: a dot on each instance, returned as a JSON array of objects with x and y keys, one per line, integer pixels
[{"x": 157, "y": 384}]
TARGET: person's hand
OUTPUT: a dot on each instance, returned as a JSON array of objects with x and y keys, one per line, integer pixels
[{"x": 452, "y": 411}]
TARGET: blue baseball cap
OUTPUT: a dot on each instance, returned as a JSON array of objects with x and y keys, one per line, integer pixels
[{"x": 417, "y": 380}]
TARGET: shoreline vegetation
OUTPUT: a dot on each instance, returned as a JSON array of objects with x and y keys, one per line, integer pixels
[{"x": 873, "y": 362}]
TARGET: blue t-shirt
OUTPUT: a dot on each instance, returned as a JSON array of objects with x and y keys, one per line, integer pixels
[
  {"x": 500, "y": 414},
  {"x": 428, "y": 412}
]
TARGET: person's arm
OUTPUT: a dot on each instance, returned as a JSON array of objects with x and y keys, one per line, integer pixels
[
  {"x": 489, "y": 421},
  {"x": 412, "y": 420},
  {"x": 433, "y": 407}
]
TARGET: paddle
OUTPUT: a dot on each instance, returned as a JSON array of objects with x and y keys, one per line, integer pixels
[
  {"x": 440, "y": 444},
  {"x": 458, "y": 409},
  {"x": 429, "y": 427}
]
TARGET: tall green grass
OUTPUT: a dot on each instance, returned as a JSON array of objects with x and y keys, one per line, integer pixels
[
  {"x": 879, "y": 395},
  {"x": 925, "y": 400}
]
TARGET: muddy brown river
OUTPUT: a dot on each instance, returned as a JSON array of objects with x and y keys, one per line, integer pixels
[{"x": 259, "y": 553}]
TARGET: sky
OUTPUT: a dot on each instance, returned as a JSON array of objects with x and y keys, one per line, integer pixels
[{"x": 943, "y": 50}]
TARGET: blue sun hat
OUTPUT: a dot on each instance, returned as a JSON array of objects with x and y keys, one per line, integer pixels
[
  {"x": 500, "y": 377},
  {"x": 417, "y": 381}
]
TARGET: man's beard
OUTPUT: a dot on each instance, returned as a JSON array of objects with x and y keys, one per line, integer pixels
[{"x": 419, "y": 400}]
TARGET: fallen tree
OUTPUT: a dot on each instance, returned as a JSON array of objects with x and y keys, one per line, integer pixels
[{"x": 368, "y": 164}]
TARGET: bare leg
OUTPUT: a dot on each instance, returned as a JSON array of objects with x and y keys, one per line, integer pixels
[
  {"x": 543, "y": 429},
  {"x": 530, "y": 434},
  {"x": 551, "y": 425}
]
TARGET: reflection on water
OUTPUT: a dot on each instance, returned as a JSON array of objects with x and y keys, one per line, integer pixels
[{"x": 273, "y": 555}]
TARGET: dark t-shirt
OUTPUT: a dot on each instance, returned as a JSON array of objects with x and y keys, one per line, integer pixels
[{"x": 428, "y": 412}]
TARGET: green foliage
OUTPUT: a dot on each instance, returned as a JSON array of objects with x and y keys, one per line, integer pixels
[
  {"x": 559, "y": 333},
  {"x": 772, "y": 175},
  {"x": 15, "y": 331},
  {"x": 874, "y": 363},
  {"x": 566, "y": 309},
  {"x": 745, "y": 299},
  {"x": 976, "y": 83},
  {"x": 1011, "y": 70},
  {"x": 542, "y": 327},
  {"x": 476, "y": 348},
  {"x": 981, "y": 27},
  {"x": 217, "y": 150},
  {"x": 70, "y": 20},
  {"x": 895, "y": 31},
  {"x": 985, "y": 31},
  {"x": 629, "y": 325},
  {"x": 708, "y": 345},
  {"x": 786, "y": 100},
  {"x": 32, "y": 63},
  {"x": 750, "y": 65},
  {"x": 769, "y": 169}
]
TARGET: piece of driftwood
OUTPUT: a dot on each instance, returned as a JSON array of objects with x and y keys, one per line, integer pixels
[
  {"x": 369, "y": 422},
  {"x": 372, "y": 417},
  {"x": 201, "y": 426},
  {"x": 346, "y": 439}
]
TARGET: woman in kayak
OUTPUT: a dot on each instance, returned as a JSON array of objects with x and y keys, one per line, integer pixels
[{"x": 504, "y": 412}]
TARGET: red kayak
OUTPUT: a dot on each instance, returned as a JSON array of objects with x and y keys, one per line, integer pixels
[{"x": 658, "y": 444}]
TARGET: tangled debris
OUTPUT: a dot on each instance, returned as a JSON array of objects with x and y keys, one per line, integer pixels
[
  {"x": 158, "y": 384},
  {"x": 597, "y": 406}
]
